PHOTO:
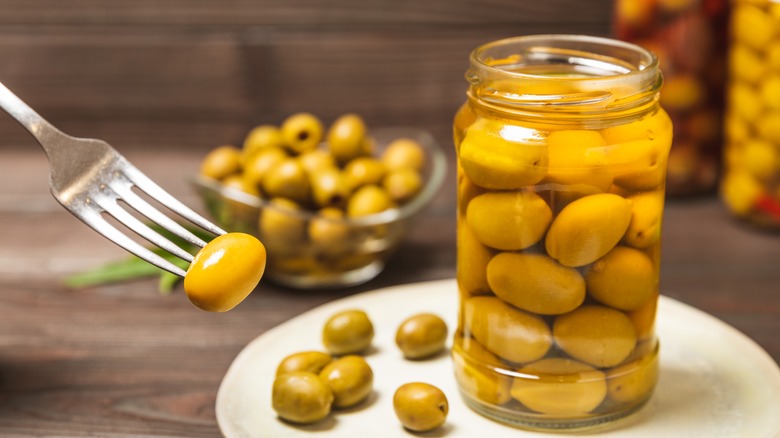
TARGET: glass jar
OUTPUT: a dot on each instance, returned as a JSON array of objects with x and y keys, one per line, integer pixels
[
  {"x": 688, "y": 37},
  {"x": 562, "y": 149},
  {"x": 751, "y": 182}
]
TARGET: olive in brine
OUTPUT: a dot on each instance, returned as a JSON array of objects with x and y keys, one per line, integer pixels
[
  {"x": 509, "y": 220},
  {"x": 598, "y": 335},
  {"x": 561, "y": 387}
]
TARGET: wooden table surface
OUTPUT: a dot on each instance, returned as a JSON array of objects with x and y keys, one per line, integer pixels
[{"x": 123, "y": 360}]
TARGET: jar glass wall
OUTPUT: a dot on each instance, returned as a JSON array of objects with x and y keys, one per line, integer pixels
[{"x": 562, "y": 150}]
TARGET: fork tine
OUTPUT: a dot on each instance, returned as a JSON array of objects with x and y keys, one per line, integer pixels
[
  {"x": 155, "y": 215},
  {"x": 152, "y": 189},
  {"x": 110, "y": 206},
  {"x": 97, "y": 223}
]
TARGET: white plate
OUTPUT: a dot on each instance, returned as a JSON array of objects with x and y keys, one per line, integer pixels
[{"x": 715, "y": 382}]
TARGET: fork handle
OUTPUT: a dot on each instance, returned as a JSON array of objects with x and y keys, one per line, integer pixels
[{"x": 44, "y": 132}]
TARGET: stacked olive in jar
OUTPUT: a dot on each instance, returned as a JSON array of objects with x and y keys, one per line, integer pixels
[
  {"x": 559, "y": 219},
  {"x": 310, "y": 184},
  {"x": 751, "y": 183}
]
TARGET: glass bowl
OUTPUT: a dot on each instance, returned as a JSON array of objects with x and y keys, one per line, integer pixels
[{"x": 352, "y": 250}]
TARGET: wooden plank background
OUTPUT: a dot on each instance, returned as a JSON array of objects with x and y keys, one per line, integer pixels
[{"x": 196, "y": 73}]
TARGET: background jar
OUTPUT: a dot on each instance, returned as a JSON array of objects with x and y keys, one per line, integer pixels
[
  {"x": 751, "y": 183},
  {"x": 688, "y": 37},
  {"x": 562, "y": 149}
]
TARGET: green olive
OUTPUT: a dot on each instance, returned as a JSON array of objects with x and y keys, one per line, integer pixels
[
  {"x": 221, "y": 162},
  {"x": 402, "y": 184},
  {"x": 348, "y": 332},
  {"x": 316, "y": 159},
  {"x": 260, "y": 137},
  {"x": 225, "y": 271},
  {"x": 510, "y": 333},
  {"x": 302, "y": 132},
  {"x": 301, "y": 397},
  {"x": 346, "y": 136},
  {"x": 421, "y": 336},
  {"x": 287, "y": 179},
  {"x": 257, "y": 166},
  {"x": 598, "y": 335},
  {"x": 560, "y": 387},
  {"x": 281, "y": 228},
  {"x": 350, "y": 378},
  {"x": 310, "y": 361},
  {"x": 420, "y": 407},
  {"x": 634, "y": 381},
  {"x": 625, "y": 278},
  {"x": 536, "y": 283},
  {"x": 364, "y": 171},
  {"x": 508, "y": 220},
  {"x": 328, "y": 231},
  {"x": 328, "y": 187},
  {"x": 368, "y": 200},
  {"x": 404, "y": 153}
]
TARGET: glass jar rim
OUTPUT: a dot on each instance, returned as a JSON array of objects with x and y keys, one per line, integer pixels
[
  {"x": 580, "y": 44},
  {"x": 568, "y": 74}
]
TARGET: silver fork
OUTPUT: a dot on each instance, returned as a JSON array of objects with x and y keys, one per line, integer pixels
[{"x": 89, "y": 178}]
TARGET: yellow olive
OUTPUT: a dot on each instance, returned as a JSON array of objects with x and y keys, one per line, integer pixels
[
  {"x": 239, "y": 183},
  {"x": 421, "y": 336},
  {"x": 287, "y": 179},
  {"x": 634, "y": 381},
  {"x": 403, "y": 184},
  {"x": 501, "y": 157},
  {"x": 510, "y": 333},
  {"x": 587, "y": 229},
  {"x": 302, "y": 132},
  {"x": 364, "y": 171},
  {"x": 346, "y": 136},
  {"x": 638, "y": 151},
  {"x": 310, "y": 361},
  {"x": 257, "y": 166},
  {"x": 420, "y": 407},
  {"x": 301, "y": 397},
  {"x": 404, "y": 153},
  {"x": 368, "y": 200},
  {"x": 625, "y": 278},
  {"x": 598, "y": 335},
  {"x": 225, "y": 271},
  {"x": 328, "y": 231},
  {"x": 350, "y": 378},
  {"x": 467, "y": 190},
  {"x": 348, "y": 332},
  {"x": 508, "y": 220},
  {"x": 643, "y": 318},
  {"x": 260, "y": 137},
  {"x": 473, "y": 258},
  {"x": 560, "y": 387},
  {"x": 578, "y": 157},
  {"x": 740, "y": 191},
  {"x": 328, "y": 187},
  {"x": 316, "y": 159},
  {"x": 221, "y": 162},
  {"x": 646, "y": 214},
  {"x": 476, "y": 369},
  {"x": 281, "y": 228},
  {"x": 535, "y": 283}
]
